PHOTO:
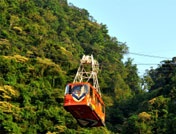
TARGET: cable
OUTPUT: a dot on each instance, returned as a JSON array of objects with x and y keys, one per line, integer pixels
[
  {"x": 103, "y": 63},
  {"x": 146, "y": 64},
  {"x": 145, "y": 55}
]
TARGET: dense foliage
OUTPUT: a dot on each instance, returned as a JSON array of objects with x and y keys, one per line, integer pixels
[{"x": 41, "y": 43}]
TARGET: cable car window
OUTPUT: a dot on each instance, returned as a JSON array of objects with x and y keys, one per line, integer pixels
[
  {"x": 70, "y": 89},
  {"x": 67, "y": 89},
  {"x": 86, "y": 88},
  {"x": 80, "y": 89},
  {"x": 91, "y": 92}
]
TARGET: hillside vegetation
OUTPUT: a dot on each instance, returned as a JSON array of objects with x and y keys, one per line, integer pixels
[{"x": 41, "y": 43}]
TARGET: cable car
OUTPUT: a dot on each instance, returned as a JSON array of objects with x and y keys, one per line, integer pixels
[{"x": 85, "y": 104}]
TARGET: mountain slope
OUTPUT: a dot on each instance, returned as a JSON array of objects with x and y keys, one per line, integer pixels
[{"x": 41, "y": 43}]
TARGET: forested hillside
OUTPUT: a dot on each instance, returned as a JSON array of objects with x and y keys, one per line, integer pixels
[{"x": 41, "y": 43}]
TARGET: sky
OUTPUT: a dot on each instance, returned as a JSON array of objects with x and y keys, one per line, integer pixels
[{"x": 147, "y": 26}]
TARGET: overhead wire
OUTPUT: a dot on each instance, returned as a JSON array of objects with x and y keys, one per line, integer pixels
[
  {"x": 146, "y": 55},
  {"x": 103, "y": 63},
  {"x": 152, "y": 64}
]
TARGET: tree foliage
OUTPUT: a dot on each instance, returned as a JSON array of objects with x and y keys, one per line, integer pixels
[{"x": 41, "y": 43}]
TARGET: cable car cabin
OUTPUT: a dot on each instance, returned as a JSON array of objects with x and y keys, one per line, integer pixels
[{"x": 85, "y": 104}]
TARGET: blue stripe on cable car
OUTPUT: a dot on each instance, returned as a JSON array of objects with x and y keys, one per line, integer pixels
[{"x": 77, "y": 96}]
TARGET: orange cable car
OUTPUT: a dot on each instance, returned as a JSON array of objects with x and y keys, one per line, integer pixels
[
  {"x": 85, "y": 104},
  {"x": 82, "y": 99}
]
